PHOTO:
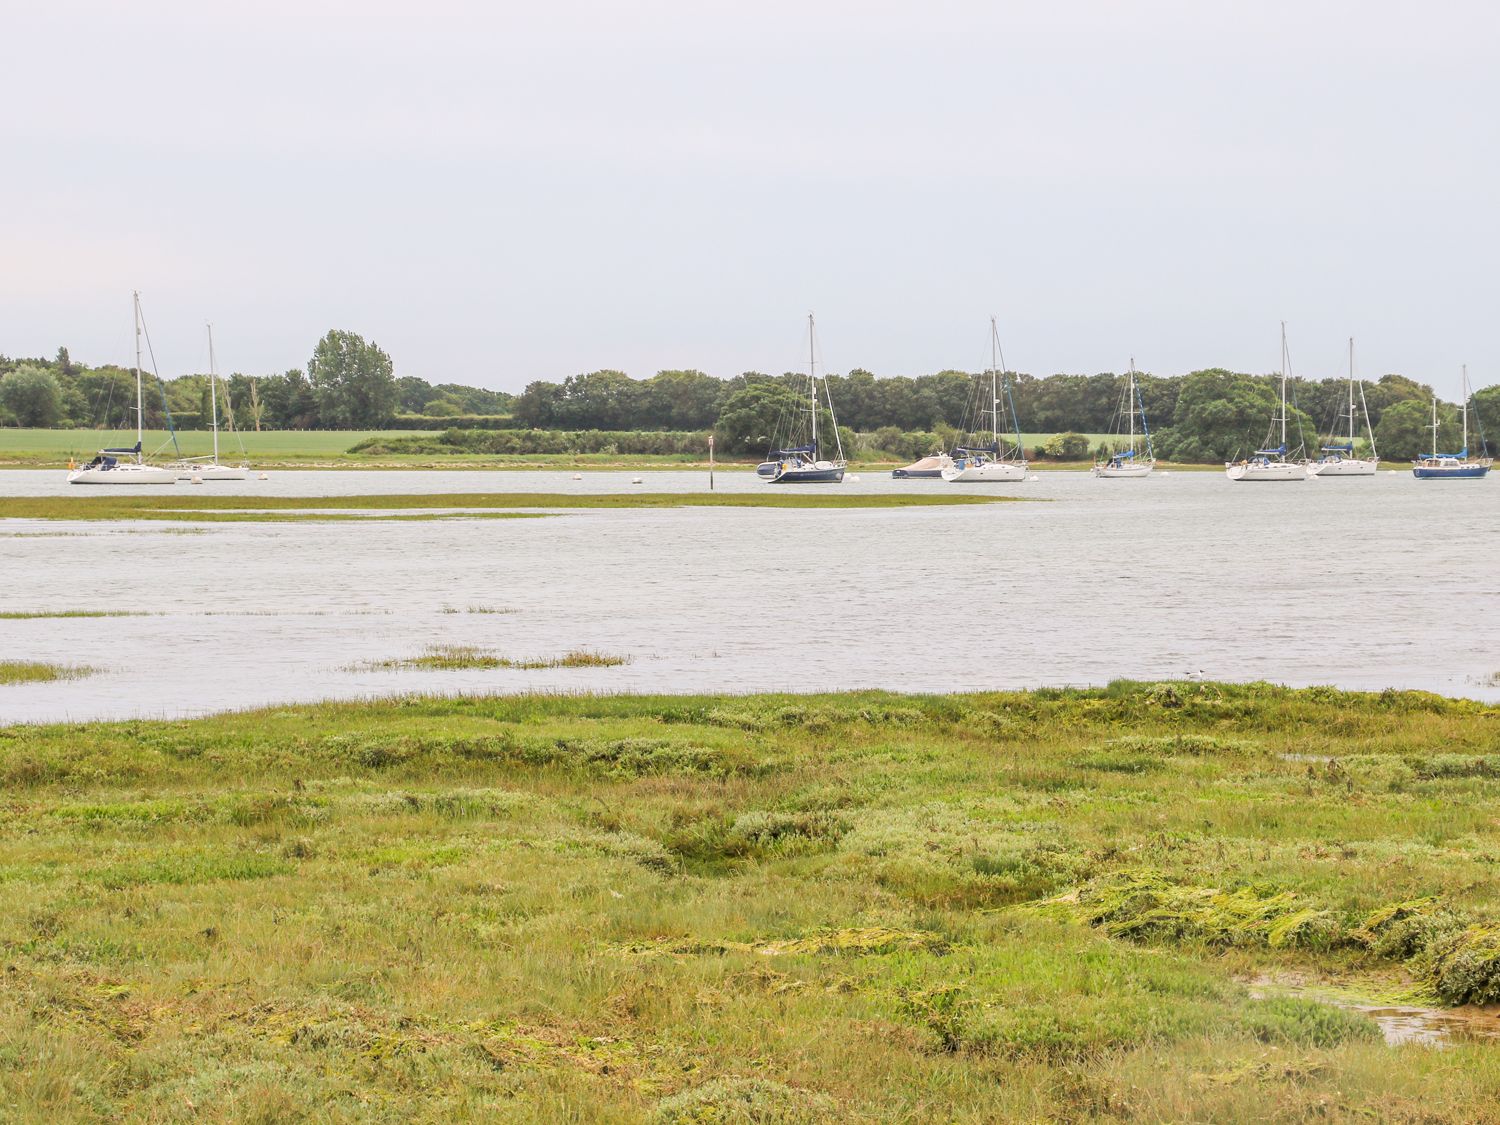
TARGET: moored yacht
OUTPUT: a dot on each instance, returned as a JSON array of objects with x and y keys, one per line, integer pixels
[
  {"x": 989, "y": 464},
  {"x": 1128, "y": 462},
  {"x": 801, "y": 464},
  {"x": 1453, "y": 466},
  {"x": 1339, "y": 460},
  {"x": 128, "y": 465},
  {"x": 1271, "y": 464}
]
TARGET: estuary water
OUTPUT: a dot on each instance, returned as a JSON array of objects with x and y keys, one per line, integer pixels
[{"x": 1364, "y": 583}]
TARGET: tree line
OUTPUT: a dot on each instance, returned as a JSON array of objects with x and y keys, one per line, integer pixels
[{"x": 350, "y": 383}]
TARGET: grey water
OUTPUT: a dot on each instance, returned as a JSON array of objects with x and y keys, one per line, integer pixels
[{"x": 1356, "y": 583}]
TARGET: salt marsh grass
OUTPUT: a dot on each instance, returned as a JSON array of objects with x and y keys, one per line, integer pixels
[
  {"x": 32, "y": 672},
  {"x": 865, "y": 907},
  {"x": 460, "y": 657}
]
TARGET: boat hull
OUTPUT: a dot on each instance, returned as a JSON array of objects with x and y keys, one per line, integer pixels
[
  {"x": 991, "y": 472},
  {"x": 928, "y": 468},
  {"x": 832, "y": 474},
  {"x": 1344, "y": 467},
  {"x": 211, "y": 472},
  {"x": 1265, "y": 471},
  {"x": 1140, "y": 469},
  {"x": 1450, "y": 472},
  {"x": 124, "y": 474}
]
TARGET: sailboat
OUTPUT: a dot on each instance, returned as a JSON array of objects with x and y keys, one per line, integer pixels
[
  {"x": 1452, "y": 466},
  {"x": 1128, "y": 462},
  {"x": 1339, "y": 460},
  {"x": 113, "y": 466},
  {"x": 983, "y": 464},
  {"x": 203, "y": 468},
  {"x": 801, "y": 464},
  {"x": 930, "y": 466},
  {"x": 1271, "y": 464}
]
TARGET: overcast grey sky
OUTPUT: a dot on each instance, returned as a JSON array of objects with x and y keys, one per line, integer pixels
[{"x": 502, "y": 192}]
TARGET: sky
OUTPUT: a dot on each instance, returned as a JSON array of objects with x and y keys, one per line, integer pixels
[{"x": 503, "y": 192}]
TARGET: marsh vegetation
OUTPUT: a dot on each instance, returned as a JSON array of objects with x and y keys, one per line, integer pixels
[{"x": 867, "y": 907}]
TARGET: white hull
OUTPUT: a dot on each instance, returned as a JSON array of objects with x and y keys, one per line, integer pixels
[
  {"x": 1344, "y": 467},
  {"x": 1274, "y": 470},
  {"x": 991, "y": 472},
  {"x": 1139, "y": 469},
  {"x": 124, "y": 474},
  {"x": 211, "y": 472}
]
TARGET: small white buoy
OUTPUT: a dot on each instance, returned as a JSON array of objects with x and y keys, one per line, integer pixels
[
  {"x": 577, "y": 476},
  {"x": 197, "y": 479},
  {"x": 636, "y": 480},
  {"x": 854, "y": 477},
  {"x": 262, "y": 477}
]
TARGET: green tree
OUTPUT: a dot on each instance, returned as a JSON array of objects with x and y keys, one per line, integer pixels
[
  {"x": 756, "y": 416},
  {"x": 353, "y": 381},
  {"x": 1067, "y": 447},
  {"x": 33, "y": 395},
  {"x": 1405, "y": 430},
  {"x": 1221, "y": 414}
]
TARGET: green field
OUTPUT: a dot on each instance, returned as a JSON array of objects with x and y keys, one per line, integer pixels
[
  {"x": 31, "y": 448},
  {"x": 54, "y": 447},
  {"x": 1146, "y": 903}
]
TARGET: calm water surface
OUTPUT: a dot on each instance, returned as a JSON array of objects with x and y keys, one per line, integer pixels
[{"x": 1358, "y": 583}]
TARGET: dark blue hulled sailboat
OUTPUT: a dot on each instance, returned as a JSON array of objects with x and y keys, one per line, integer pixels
[
  {"x": 801, "y": 464},
  {"x": 1453, "y": 466}
]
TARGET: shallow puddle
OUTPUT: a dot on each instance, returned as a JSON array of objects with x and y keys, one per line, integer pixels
[
  {"x": 1400, "y": 1023},
  {"x": 1431, "y": 1027}
]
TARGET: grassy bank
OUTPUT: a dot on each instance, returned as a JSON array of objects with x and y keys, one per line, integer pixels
[
  {"x": 331, "y": 449},
  {"x": 867, "y": 907},
  {"x": 171, "y": 504}
]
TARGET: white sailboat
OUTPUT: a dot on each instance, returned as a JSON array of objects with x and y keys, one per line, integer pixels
[
  {"x": 1453, "y": 466},
  {"x": 113, "y": 466},
  {"x": 209, "y": 468},
  {"x": 1271, "y": 464},
  {"x": 984, "y": 464},
  {"x": 1128, "y": 462},
  {"x": 800, "y": 464},
  {"x": 1339, "y": 460}
]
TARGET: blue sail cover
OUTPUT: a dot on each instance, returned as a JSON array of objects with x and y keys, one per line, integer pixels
[
  {"x": 1347, "y": 447},
  {"x": 993, "y": 447},
  {"x": 809, "y": 449},
  {"x": 1280, "y": 450},
  {"x": 1127, "y": 455},
  {"x": 136, "y": 448}
]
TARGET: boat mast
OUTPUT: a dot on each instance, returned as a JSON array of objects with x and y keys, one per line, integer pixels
[
  {"x": 1283, "y": 388},
  {"x": 812, "y": 384},
  {"x": 139, "y": 408},
  {"x": 1351, "y": 396},
  {"x": 213, "y": 393},
  {"x": 1132, "y": 404},
  {"x": 994, "y": 386},
  {"x": 1434, "y": 426}
]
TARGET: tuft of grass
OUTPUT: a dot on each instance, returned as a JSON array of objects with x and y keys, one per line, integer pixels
[
  {"x": 41, "y": 614},
  {"x": 32, "y": 672},
  {"x": 466, "y": 657}
]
